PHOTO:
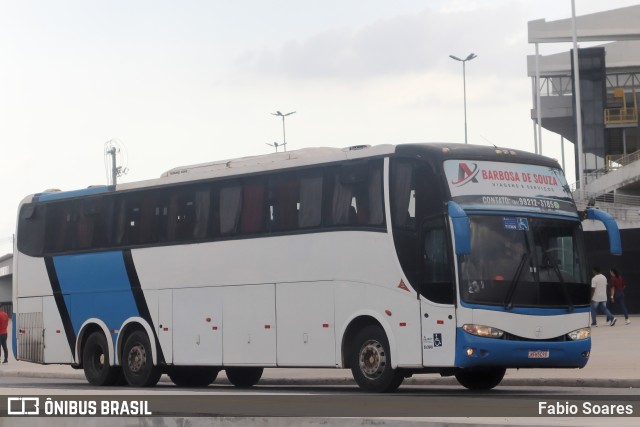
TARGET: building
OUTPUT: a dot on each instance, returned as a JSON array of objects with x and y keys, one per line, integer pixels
[
  {"x": 609, "y": 76},
  {"x": 6, "y": 276}
]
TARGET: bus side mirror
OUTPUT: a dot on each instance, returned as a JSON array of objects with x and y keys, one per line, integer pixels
[
  {"x": 461, "y": 228},
  {"x": 615, "y": 243}
]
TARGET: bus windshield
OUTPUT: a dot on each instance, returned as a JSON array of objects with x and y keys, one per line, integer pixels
[{"x": 519, "y": 261}]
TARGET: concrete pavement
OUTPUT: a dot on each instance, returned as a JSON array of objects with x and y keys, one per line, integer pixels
[{"x": 614, "y": 362}]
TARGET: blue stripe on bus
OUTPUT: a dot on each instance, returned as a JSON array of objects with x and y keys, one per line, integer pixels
[
  {"x": 96, "y": 286},
  {"x": 515, "y": 354},
  {"x": 74, "y": 193}
]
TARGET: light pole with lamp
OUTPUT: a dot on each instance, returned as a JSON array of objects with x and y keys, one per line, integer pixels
[
  {"x": 464, "y": 87},
  {"x": 284, "y": 136}
]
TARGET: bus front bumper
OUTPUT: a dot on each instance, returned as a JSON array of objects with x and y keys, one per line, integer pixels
[{"x": 473, "y": 351}]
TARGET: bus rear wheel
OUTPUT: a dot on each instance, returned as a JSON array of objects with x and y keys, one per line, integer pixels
[
  {"x": 244, "y": 377},
  {"x": 96, "y": 363},
  {"x": 137, "y": 361},
  {"x": 370, "y": 361},
  {"x": 480, "y": 378},
  {"x": 192, "y": 376}
]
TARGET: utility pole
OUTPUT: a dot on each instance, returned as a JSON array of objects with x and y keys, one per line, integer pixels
[{"x": 114, "y": 169}]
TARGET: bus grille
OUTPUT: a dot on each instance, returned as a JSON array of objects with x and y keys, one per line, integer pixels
[
  {"x": 511, "y": 337},
  {"x": 30, "y": 337}
]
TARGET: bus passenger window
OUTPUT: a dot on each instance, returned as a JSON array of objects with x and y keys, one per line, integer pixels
[
  {"x": 310, "y": 211},
  {"x": 252, "y": 217},
  {"x": 31, "y": 229},
  {"x": 341, "y": 203},
  {"x": 202, "y": 213},
  {"x": 229, "y": 208},
  {"x": 357, "y": 198},
  {"x": 284, "y": 193},
  {"x": 375, "y": 196}
]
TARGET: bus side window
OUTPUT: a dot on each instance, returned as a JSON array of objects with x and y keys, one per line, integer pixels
[
  {"x": 31, "y": 229},
  {"x": 437, "y": 283},
  {"x": 181, "y": 214},
  {"x": 357, "y": 199},
  {"x": 310, "y": 212},
  {"x": 229, "y": 208},
  {"x": 60, "y": 228},
  {"x": 202, "y": 212},
  {"x": 341, "y": 203},
  {"x": 253, "y": 196},
  {"x": 284, "y": 192},
  {"x": 374, "y": 195}
]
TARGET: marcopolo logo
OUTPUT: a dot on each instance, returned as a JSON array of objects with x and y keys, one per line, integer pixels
[{"x": 466, "y": 174}]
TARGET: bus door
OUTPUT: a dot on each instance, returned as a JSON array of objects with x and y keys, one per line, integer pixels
[{"x": 437, "y": 295}]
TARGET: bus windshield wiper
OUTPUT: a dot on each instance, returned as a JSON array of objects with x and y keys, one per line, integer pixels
[
  {"x": 563, "y": 284},
  {"x": 508, "y": 303}
]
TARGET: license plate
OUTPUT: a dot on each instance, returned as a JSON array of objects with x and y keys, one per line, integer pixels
[{"x": 538, "y": 354}]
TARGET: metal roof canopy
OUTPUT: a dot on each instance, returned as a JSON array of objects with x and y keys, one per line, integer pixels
[{"x": 613, "y": 25}]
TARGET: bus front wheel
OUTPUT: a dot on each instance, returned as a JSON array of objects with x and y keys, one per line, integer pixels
[
  {"x": 244, "y": 377},
  {"x": 370, "y": 361},
  {"x": 480, "y": 378},
  {"x": 192, "y": 376},
  {"x": 95, "y": 361},
  {"x": 137, "y": 361}
]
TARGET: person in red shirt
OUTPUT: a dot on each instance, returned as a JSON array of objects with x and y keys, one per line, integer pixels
[
  {"x": 617, "y": 293},
  {"x": 4, "y": 322}
]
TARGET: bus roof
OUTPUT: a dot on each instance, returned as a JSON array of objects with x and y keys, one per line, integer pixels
[
  {"x": 302, "y": 157},
  {"x": 431, "y": 152}
]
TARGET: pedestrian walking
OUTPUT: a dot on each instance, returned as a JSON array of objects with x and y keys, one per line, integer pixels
[
  {"x": 599, "y": 298},
  {"x": 617, "y": 293},
  {"x": 4, "y": 322}
]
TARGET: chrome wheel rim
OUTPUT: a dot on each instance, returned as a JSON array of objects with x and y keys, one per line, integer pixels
[
  {"x": 137, "y": 358},
  {"x": 372, "y": 359}
]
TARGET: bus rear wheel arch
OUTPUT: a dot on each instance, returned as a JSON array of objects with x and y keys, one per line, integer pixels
[
  {"x": 137, "y": 360},
  {"x": 96, "y": 361},
  {"x": 480, "y": 378}
]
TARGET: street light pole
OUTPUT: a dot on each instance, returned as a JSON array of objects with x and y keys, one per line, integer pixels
[
  {"x": 464, "y": 86},
  {"x": 284, "y": 135}
]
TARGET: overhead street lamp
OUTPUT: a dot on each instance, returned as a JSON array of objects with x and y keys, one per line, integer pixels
[
  {"x": 284, "y": 137},
  {"x": 464, "y": 87}
]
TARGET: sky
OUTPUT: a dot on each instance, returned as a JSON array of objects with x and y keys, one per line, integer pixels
[{"x": 185, "y": 82}]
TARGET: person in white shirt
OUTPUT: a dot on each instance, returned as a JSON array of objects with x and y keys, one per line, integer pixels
[{"x": 599, "y": 298}]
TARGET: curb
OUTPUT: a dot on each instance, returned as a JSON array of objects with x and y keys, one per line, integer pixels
[{"x": 433, "y": 381}]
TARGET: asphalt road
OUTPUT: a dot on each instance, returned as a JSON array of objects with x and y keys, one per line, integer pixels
[{"x": 337, "y": 401}]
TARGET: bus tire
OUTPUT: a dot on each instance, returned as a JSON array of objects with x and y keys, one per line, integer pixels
[
  {"x": 244, "y": 377},
  {"x": 137, "y": 361},
  {"x": 192, "y": 376},
  {"x": 370, "y": 361},
  {"x": 483, "y": 378},
  {"x": 96, "y": 363}
]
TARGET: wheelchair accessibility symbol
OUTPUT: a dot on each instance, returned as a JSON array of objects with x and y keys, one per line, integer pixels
[
  {"x": 437, "y": 340},
  {"x": 523, "y": 224}
]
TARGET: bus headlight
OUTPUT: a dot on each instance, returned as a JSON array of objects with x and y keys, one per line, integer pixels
[
  {"x": 483, "y": 331},
  {"x": 580, "y": 334}
]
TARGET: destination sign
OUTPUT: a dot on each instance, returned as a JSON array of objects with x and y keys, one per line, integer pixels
[{"x": 511, "y": 186}]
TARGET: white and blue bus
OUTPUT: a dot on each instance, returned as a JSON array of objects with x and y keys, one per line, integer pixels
[{"x": 388, "y": 260}]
